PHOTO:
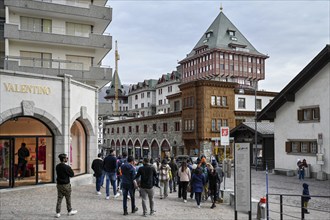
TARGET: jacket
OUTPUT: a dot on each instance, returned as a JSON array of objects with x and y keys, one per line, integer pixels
[
  {"x": 306, "y": 197},
  {"x": 63, "y": 172},
  {"x": 97, "y": 167},
  {"x": 198, "y": 181},
  {"x": 147, "y": 173},
  {"x": 110, "y": 164},
  {"x": 128, "y": 175},
  {"x": 164, "y": 171},
  {"x": 184, "y": 176}
]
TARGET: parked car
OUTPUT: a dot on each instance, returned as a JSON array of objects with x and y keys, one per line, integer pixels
[{"x": 181, "y": 158}]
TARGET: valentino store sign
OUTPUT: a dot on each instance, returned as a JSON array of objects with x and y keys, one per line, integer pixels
[{"x": 25, "y": 88}]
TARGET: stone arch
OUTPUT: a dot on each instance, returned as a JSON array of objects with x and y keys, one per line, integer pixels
[
  {"x": 145, "y": 148},
  {"x": 123, "y": 146},
  {"x": 137, "y": 149},
  {"x": 165, "y": 148},
  {"x": 85, "y": 119},
  {"x": 49, "y": 120},
  {"x": 130, "y": 147},
  {"x": 112, "y": 145},
  {"x": 154, "y": 149},
  {"x": 117, "y": 147}
]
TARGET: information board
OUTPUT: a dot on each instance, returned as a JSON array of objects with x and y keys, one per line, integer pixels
[{"x": 242, "y": 177}]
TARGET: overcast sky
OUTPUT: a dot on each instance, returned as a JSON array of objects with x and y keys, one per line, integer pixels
[{"x": 154, "y": 35}]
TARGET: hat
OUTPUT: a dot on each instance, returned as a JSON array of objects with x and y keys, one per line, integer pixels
[
  {"x": 298, "y": 160},
  {"x": 194, "y": 166}
]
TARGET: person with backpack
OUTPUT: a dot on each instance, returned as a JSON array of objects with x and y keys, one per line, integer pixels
[
  {"x": 164, "y": 176},
  {"x": 98, "y": 172}
]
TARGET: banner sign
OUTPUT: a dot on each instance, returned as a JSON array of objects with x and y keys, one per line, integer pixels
[{"x": 224, "y": 135}]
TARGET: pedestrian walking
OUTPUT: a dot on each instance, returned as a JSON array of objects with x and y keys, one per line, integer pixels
[
  {"x": 63, "y": 173},
  {"x": 220, "y": 173},
  {"x": 174, "y": 171},
  {"x": 98, "y": 172},
  {"x": 306, "y": 197},
  {"x": 110, "y": 169},
  {"x": 185, "y": 176},
  {"x": 192, "y": 170},
  {"x": 164, "y": 176},
  {"x": 205, "y": 171},
  {"x": 213, "y": 183},
  {"x": 147, "y": 173},
  {"x": 198, "y": 182},
  {"x": 120, "y": 162},
  {"x": 128, "y": 186}
]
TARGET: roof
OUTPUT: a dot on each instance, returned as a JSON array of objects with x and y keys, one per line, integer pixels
[
  {"x": 263, "y": 128},
  {"x": 288, "y": 93},
  {"x": 217, "y": 37},
  {"x": 111, "y": 89}
]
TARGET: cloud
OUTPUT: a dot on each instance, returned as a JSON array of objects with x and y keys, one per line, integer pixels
[{"x": 154, "y": 35}]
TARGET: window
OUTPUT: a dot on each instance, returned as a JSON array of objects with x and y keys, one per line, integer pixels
[
  {"x": 258, "y": 103},
  {"x": 164, "y": 127},
  {"x": 123, "y": 130},
  {"x": 79, "y": 62},
  {"x": 222, "y": 66},
  {"x": 169, "y": 89},
  {"x": 213, "y": 125},
  {"x": 176, "y": 106},
  {"x": 160, "y": 102},
  {"x": 301, "y": 147},
  {"x": 117, "y": 130},
  {"x": 224, "y": 100},
  {"x": 241, "y": 102},
  {"x": 221, "y": 56},
  {"x": 137, "y": 129},
  {"x": 81, "y": 30},
  {"x": 249, "y": 59},
  {"x": 142, "y": 95},
  {"x": 154, "y": 127},
  {"x": 309, "y": 114},
  {"x": 225, "y": 122},
  {"x": 160, "y": 91},
  {"x": 136, "y": 97},
  {"x": 35, "y": 59},
  {"x": 213, "y": 100},
  {"x": 142, "y": 105},
  {"x": 148, "y": 94},
  {"x": 176, "y": 126},
  {"x": 145, "y": 128},
  {"x": 112, "y": 130},
  {"x": 219, "y": 124},
  {"x": 230, "y": 56},
  {"x": 36, "y": 24},
  {"x": 129, "y": 129},
  {"x": 136, "y": 106},
  {"x": 218, "y": 100}
]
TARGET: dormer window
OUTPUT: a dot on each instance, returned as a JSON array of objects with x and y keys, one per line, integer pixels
[
  {"x": 209, "y": 34},
  {"x": 231, "y": 33}
]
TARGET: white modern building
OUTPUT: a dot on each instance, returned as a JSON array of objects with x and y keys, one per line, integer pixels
[
  {"x": 50, "y": 75},
  {"x": 301, "y": 118}
]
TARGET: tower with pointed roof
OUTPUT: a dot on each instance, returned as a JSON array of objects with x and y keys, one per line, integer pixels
[{"x": 224, "y": 54}]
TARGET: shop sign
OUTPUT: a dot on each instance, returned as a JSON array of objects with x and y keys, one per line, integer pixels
[
  {"x": 224, "y": 135},
  {"x": 25, "y": 88}
]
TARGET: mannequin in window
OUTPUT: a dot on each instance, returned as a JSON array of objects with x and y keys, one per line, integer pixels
[{"x": 42, "y": 153}]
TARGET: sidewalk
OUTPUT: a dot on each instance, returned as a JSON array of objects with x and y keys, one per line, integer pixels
[{"x": 38, "y": 202}]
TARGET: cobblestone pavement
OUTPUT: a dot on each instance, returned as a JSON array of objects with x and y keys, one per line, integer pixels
[{"x": 38, "y": 202}]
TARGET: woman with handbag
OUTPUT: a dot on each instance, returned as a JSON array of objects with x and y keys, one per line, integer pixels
[{"x": 184, "y": 176}]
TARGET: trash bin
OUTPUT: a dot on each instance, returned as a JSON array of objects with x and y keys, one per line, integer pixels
[
  {"x": 261, "y": 212},
  {"x": 308, "y": 171}
]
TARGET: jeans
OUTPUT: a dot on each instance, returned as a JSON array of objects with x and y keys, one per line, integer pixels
[
  {"x": 98, "y": 183},
  {"x": 150, "y": 193},
  {"x": 172, "y": 184},
  {"x": 163, "y": 188},
  {"x": 198, "y": 197},
  {"x": 21, "y": 166},
  {"x": 301, "y": 174},
  {"x": 131, "y": 192},
  {"x": 110, "y": 177}
]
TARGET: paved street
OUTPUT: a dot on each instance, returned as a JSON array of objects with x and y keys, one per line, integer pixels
[{"x": 39, "y": 202}]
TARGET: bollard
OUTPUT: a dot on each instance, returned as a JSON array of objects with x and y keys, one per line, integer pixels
[{"x": 261, "y": 212}]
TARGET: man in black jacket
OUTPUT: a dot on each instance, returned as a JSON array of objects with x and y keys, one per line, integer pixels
[
  {"x": 98, "y": 172},
  {"x": 22, "y": 153},
  {"x": 63, "y": 173},
  {"x": 110, "y": 168},
  {"x": 147, "y": 173}
]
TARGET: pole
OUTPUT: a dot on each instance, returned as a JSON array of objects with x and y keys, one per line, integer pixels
[
  {"x": 226, "y": 168},
  {"x": 267, "y": 205},
  {"x": 255, "y": 124}
]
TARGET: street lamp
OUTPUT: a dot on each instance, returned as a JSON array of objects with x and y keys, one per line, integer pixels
[{"x": 255, "y": 123}]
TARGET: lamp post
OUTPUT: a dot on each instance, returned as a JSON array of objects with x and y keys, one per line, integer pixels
[{"x": 255, "y": 124}]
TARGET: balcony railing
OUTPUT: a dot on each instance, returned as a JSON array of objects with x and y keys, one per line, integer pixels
[{"x": 56, "y": 67}]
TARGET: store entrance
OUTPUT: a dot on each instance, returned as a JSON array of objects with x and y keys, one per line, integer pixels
[{"x": 26, "y": 153}]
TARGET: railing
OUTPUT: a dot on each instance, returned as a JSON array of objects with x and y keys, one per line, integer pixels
[
  {"x": 64, "y": 2},
  {"x": 321, "y": 206}
]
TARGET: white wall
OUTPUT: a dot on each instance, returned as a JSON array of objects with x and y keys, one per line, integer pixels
[{"x": 315, "y": 92}]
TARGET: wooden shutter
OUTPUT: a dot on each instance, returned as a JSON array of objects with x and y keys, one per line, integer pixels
[
  {"x": 288, "y": 147},
  {"x": 300, "y": 115},
  {"x": 317, "y": 113}
]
